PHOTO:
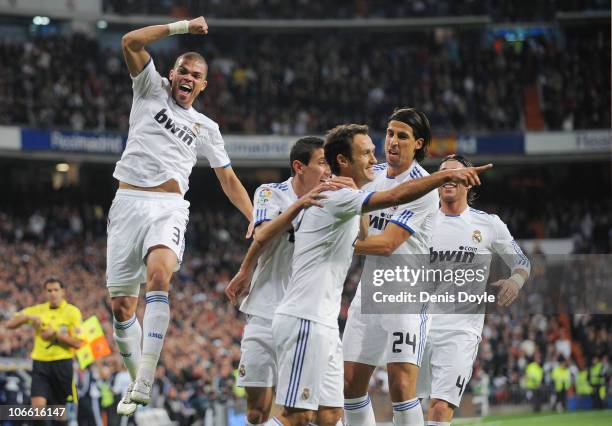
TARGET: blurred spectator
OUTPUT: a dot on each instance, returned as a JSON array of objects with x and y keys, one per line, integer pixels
[{"x": 462, "y": 80}]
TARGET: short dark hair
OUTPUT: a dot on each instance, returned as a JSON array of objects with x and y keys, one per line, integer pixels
[
  {"x": 193, "y": 56},
  {"x": 302, "y": 150},
  {"x": 419, "y": 123},
  {"x": 471, "y": 195},
  {"x": 339, "y": 140},
  {"x": 53, "y": 280}
]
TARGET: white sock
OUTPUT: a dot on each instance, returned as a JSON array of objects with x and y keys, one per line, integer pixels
[
  {"x": 155, "y": 325},
  {"x": 408, "y": 413},
  {"x": 128, "y": 336},
  {"x": 432, "y": 423},
  {"x": 273, "y": 421},
  {"x": 359, "y": 411}
]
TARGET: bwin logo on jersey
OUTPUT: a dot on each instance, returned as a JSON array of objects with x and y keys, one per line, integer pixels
[
  {"x": 463, "y": 255},
  {"x": 181, "y": 131},
  {"x": 377, "y": 222}
]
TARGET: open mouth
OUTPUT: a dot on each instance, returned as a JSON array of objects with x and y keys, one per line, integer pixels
[
  {"x": 449, "y": 185},
  {"x": 185, "y": 89}
]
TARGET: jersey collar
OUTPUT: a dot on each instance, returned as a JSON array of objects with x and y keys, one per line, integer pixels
[
  {"x": 402, "y": 176},
  {"x": 61, "y": 305},
  {"x": 290, "y": 187},
  {"x": 464, "y": 214}
]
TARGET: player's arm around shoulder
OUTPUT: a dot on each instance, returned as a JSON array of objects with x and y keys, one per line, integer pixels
[{"x": 383, "y": 244}]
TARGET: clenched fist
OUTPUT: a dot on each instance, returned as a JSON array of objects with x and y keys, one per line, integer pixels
[{"x": 198, "y": 26}]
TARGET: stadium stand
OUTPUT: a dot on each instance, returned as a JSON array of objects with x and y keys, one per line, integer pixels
[{"x": 464, "y": 82}]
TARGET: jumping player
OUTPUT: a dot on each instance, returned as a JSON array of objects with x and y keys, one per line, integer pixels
[{"x": 148, "y": 217}]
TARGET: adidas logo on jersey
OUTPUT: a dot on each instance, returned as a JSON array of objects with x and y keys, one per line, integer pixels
[
  {"x": 181, "y": 131},
  {"x": 463, "y": 255}
]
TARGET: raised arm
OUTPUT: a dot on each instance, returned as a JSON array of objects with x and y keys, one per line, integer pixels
[
  {"x": 134, "y": 42},
  {"x": 410, "y": 191}
]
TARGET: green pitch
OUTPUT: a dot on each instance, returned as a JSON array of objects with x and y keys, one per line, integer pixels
[{"x": 580, "y": 418}]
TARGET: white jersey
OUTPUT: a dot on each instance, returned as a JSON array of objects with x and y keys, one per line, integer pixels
[
  {"x": 165, "y": 139},
  {"x": 416, "y": 216},
  {"x": 274, "y": 266},
  {"x": 473, "y": 231},
  {"x": 324, "y": 244}
]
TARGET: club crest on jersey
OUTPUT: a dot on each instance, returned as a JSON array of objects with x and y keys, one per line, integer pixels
[
  {"x": 477, "y": 236},
  {"x": 196, "y": 129},
  {"x": 242, "y": 370},
  {"x": 264, "y": 195},
  {"x": 305, "y": 394}
]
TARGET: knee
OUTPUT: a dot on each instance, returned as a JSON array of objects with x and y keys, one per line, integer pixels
[
  {"x": 402, "y": 383},
  {"x": 256, "y": 415},
  {"x": 299, "y": 418},
  {"x": 124, "y": 307},
  {"x": 329, "y": 417},
  {"x": 159, "y": 280},
  {"x": 440, "y": 410}
]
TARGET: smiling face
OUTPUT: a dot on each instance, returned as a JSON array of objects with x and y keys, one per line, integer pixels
[
  {"x": 453, "y": 192},
  {"x": 188, "y": 79},
  {"x": 400, "y": 144},
  {"x": 360, "y": 166},
  {"x": 316, "y": 171}
]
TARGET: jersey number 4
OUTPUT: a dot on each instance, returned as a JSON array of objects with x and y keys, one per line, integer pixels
[
  {"x": 400, "y": 341},
  {"x": 177, "y": 236},
  {"x": 460, "y": 384}
]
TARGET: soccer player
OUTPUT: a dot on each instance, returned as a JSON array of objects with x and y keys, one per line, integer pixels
[
  {"x": 305, "y": 324},
  {"x": 369, "y": 340},
  {"x": 148, "y": 217},
  {"x": 453, "y": 339},
  {"x": 58, "y": 327},
  {"x": 257, "y": 370}
]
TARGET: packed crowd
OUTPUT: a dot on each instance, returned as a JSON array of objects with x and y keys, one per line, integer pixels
[
  {"x": 463, "y": 82},
  {"x": 347, "y": 9}
]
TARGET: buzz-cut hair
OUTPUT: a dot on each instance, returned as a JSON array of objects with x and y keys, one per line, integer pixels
[
  {"x": 339, "y": 140},
  {"x": 302, "y": 150},
  {"x": 419, "y": 123},
  {"x": 52, "y": 280},
  {"x": 195, "y": 56}
]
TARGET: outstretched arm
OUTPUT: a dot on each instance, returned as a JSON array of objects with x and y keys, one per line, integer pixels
[
  {"x": 414, "y": 189},
  {"x": 134, "y": 42},
  {"x": 234, "y": 190}
]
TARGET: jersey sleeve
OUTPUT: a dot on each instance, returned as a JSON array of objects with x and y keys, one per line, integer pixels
[
  {"x": 347, "y": 202},
  {"x": 76, "y": 323},
  {"x": 266, "y": 205},
  {"x": 507, "y": 247},
  {"x": 213, "y": 148},
  {"x": 148, "y": 82},
  {"x": 411, "y": 216},
  {"x": 30, "y": 310}
]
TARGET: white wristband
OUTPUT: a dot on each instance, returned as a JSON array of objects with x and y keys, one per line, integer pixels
[
  {"x": 179, "y": 27},
  {"x": 518, "y": 278}
]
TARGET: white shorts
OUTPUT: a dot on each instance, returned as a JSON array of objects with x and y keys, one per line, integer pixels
[
  {"x": 447, "y": 365},
  {"x": 375, "y": 339},
  {"x": 137, "y": 221},
  {"x": 258, "y": 359},
  {"x": 310, "y": 368}
]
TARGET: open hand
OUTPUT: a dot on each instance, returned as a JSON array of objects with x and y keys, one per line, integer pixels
[{"x": 508, "y": 291}]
